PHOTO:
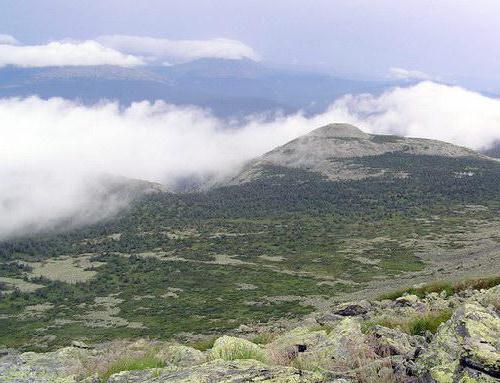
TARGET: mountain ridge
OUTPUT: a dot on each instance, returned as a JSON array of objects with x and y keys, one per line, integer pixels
[
  {"x": 330, "y": 150},
  {"x": 227, "y": 87}
]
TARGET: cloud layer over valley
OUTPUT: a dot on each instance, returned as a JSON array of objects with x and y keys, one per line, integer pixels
[{"x": 54, "y": 153}]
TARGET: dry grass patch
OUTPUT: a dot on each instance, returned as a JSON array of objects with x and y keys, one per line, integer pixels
[
  {"x": 231, "y": 348},
  {"x": 65, "y": 269},
  {"x": 130, "y": 363},
  {"x": 264, "y": 338},
  {"x": 417, "y": 324},
  {"x": 449, "y": 287},
  {"x": 22, "y": 285},
  {"x": 123, "y": 356}
]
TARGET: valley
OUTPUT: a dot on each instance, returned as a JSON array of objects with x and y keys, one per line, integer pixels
[
  {"x": 225, "y": 191},
  {"x": 286, "y": 236}
]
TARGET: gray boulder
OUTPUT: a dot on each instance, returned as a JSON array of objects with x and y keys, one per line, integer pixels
[
  {"x": 222, "y": 371},
  {"x": 353, "y": 309},
  {"x": 61, "y": 366}
]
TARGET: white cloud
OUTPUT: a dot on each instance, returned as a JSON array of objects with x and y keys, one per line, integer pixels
[
  {"x": 51, "y": 151},
  {"x": 7, "y": 40},
  {"x": 118, "y": 50},
  {"x": 428, "y": 109},
  {"x": 64, "y": 54},
  {"x": 179, "y": 50},
  {"x": 405, "y": 74}
]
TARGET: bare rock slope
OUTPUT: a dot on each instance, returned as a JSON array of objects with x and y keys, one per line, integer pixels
[{"x": 329, "y": 149}]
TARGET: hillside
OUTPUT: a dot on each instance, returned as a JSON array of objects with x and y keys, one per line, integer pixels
[
  {"x": 494, "y": 151},
  {"x": 436, "y": 333},
  {"x": 100, "y": 196},
  {"x": 293, "y": 238}
]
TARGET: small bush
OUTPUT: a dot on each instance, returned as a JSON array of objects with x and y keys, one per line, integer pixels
[
  {"x": 428, "y": 322},
  {"x": 203, "y": 344},
  {"x": 131, "y": 363}
]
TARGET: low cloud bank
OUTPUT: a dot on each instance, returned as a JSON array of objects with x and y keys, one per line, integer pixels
[
  {"x": 119, "y": 50},
  {"x": 8, "y": 39},
  {"x": 429, "y": 110},
  {"x": 63, "y": 54},
  {"x": 54, "y": 152},
  {"x": 174, "y": 51},
  {"x": 406, "y": 74}
]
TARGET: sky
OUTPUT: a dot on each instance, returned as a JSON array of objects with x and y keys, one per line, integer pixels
[{"x": 449, "y": 40}]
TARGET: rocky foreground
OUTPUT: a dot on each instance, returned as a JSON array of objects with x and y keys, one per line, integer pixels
[{"x": 431, "y": 337}]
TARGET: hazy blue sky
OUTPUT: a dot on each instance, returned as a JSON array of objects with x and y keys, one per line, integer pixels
[{"x": 444, "y": 38}]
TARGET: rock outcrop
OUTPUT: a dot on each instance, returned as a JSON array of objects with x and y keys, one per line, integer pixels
[
  {"x": 222, "y": 371},
  {"x": 467, "y": 345}
]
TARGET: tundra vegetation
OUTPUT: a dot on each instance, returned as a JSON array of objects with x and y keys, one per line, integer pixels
[{"x": 438, "y": 338}]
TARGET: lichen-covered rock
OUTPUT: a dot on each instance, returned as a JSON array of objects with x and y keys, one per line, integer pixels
[
  {"x": 232, "y": 348},
  {"x": 347, "y": 331},
  {"x": 139, "y": 376},
  {"x": 469, "y": 340},
  {"x": 389, "y": 342},
  {"x": 80, "y": 344},
  {"x": 353, "y": 308},
  {"x": 301, "y": 342},
  {"x": 182, "y": 356},
  {"x": 406, "y": 300},
  {"x": 304, "y": 337},
  {"x": 328, "y": 318},
  {"x": 491, "y": 297},
  {"x": 222, "y": 371},
  {"x": 319, "y": 349},
  {"x": 61, "y": 366},
  {"x": 473, "y": 376}
]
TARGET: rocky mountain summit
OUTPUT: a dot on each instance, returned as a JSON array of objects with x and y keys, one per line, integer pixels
[
  {"x": 332, "y": 151},
  {"x": 422, "y": 336}
]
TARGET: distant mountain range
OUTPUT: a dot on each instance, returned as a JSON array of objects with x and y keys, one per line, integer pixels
[{"x": 230, "y": 88}]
